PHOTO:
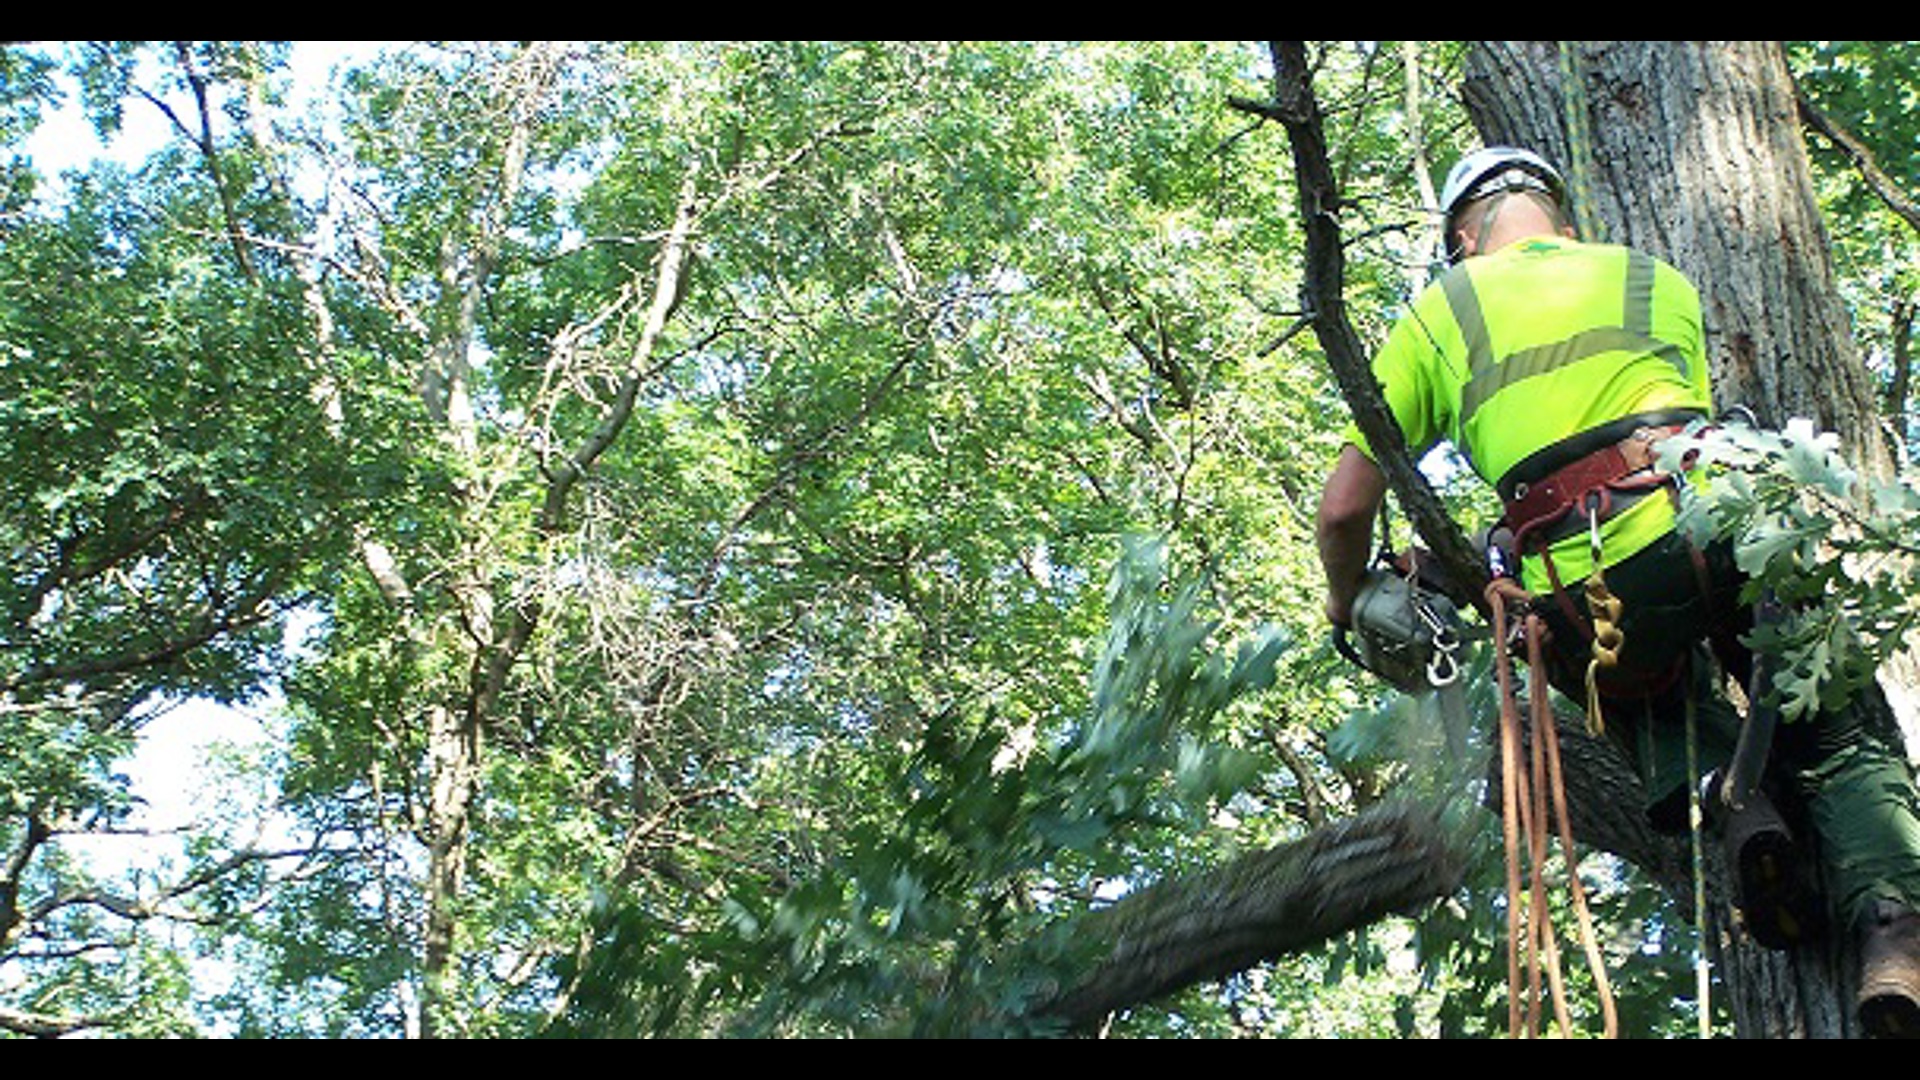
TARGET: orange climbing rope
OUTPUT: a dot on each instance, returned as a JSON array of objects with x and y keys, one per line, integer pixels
[{"x": 1524, "y": 800}]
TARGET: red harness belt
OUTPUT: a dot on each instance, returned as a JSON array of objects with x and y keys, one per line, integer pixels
[
  {"x": 1537, "y": 514},
  {"x": 1587, "y": 484}
]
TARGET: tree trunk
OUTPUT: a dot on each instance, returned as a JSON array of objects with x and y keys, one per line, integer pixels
[
  {"x": 454, "y": 760},
  {"x": 1691, "y": 151},
  {"x": 456, "y": 728},
  {"x": 1694, "y": 153}
]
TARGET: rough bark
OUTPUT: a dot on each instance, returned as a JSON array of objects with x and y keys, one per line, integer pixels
[
  {"x": 1696, "y": 156},
  {"x": 1354, "y": 872},
  {"x": 1691, "y": 151}
]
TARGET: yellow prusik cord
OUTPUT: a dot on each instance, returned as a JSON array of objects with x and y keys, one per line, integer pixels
[{"x": 1605, "y": 609}]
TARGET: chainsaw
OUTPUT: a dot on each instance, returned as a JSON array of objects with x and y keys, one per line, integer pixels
[{"x": 1402, "y": 631}]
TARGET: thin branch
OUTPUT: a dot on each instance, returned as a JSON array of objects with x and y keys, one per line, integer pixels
[
  {"x": 210, "y": 622},
  {"x": 43, "y": 1026},
  {"x": 1863, "y": 161},
  {"x": 1295, "y": 109},
  {"x": 204, "y": 140}
]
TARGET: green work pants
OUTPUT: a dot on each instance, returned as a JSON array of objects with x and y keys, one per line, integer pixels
[{"x": 1842, "y": 774}]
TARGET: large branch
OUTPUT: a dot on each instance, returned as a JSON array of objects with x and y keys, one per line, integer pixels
[
  {"x": 669, "y": 287},
  {"x": 160, "y": 903},
  {"x": 203, "y": 141},
  {"x": 1390, "y": 859},
  {"x": 1262, "y": 906}
]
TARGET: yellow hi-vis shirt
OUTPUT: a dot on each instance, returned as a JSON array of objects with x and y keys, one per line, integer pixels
[{"x": 1513, "y": 351}]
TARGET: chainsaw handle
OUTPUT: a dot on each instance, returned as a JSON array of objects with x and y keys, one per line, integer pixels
[{"x": 1345, "y": 648}]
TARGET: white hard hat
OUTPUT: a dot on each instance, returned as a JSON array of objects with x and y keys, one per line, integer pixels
[{"x": 1498, "y": 168}]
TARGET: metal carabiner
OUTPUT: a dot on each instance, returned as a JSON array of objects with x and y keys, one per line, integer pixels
[
  {"x": 1442, "y": 669},
  {"x": 1594, "y": 501}
]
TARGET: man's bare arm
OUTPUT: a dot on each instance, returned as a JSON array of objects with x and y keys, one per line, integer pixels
[{"x": 1343, "y": 528}]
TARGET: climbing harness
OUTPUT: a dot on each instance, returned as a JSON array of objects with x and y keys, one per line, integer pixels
[
  {"x": 1585, "y": 480},
  {"x": 1524, "y": 798},
  {"x": 1595, "y": 483},
  {"x": 1407, "y": 634}
]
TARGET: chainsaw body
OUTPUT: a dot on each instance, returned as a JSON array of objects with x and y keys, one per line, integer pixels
[{"x": 1403, "y": 633}]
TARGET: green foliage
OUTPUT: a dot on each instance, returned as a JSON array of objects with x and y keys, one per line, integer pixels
[
  {"x": 170, "y": 498},
  {"x": 834, "y": 709},
  {"x": 27, "y": 90},
  {"x": 1862, "y": 86},
  {"x": 1833, "y": 547},
  {"x": 957, "y": 908}
]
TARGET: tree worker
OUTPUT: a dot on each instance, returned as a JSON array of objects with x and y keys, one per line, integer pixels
[{"x": 1554, "y": 366}]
